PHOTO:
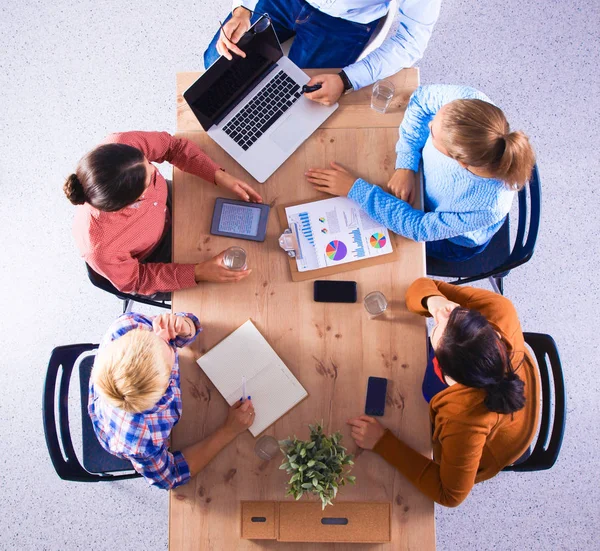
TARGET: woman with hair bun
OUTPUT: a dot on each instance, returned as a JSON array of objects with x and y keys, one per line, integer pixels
[
  {"x": 483, "y": 392},
  {"x": 123, "y": 220},
  {"x": 472, "y": 166}
]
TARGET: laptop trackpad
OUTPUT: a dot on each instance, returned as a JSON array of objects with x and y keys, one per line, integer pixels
[{"x": 292, "y": 131}]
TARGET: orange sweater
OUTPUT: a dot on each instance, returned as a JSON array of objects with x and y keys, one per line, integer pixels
[{"x": 470, "y": 443}]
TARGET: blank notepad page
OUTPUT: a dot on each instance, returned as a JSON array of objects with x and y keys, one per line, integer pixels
[{"x": 272, "y": 386}]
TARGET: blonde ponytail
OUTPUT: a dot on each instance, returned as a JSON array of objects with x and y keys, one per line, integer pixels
[
  {"x": 477, "y": 134},
  {"x": 517, "y": 161}
]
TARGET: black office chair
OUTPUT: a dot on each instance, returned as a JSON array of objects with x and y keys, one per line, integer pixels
[
  {"x": 98, "y": 464},
  {"x": 162, "y": 301},
  {"x": 497, "y": 259},
  {"x": 544, "y": 451}
]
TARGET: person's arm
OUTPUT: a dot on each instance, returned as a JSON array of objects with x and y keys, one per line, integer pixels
[
  {"x": 129, "y": 275},
  {"x": 498, "y": 310},
  {"x": 423, "y": 105},
  {"x": 159, "y": 147},
  {"x": 404, "y": 48},
  {"x": 449, "y": 481},
  {"x": 187, "y": 156},
  {"x": 398, "y": 216},
  {"x": 160, "y": 467},
  {"x": 200, "y": 454}
]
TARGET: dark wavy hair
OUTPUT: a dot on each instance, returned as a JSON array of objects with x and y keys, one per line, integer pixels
[
  {"x": 109, "y": 178},
  {"x": 473, "y": 354}
]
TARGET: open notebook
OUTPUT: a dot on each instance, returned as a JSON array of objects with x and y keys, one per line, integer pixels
[{"x": 272, "y": 386}]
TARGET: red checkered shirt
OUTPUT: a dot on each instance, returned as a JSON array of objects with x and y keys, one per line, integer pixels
[{"x": 114, "y": 244}]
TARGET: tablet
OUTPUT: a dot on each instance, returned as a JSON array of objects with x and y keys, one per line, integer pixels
[{"x": 239, "y": 219}]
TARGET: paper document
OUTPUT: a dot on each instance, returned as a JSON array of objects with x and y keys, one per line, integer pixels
[
  {"x": 272, "y": 386},
  {"x": 335, "y": 231}
]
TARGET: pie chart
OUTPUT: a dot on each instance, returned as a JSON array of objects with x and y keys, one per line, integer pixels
[
  {"x": 336, "y": 250},
  {"x": 378, "y": 240}
]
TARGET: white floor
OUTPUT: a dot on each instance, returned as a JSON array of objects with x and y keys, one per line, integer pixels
[{"x": 73, "y": 71}]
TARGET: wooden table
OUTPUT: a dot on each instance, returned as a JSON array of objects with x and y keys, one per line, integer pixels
[{"x": 331, "y": 349}]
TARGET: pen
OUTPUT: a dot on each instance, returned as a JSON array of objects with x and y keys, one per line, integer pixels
[{"x": 243, "y": 389}]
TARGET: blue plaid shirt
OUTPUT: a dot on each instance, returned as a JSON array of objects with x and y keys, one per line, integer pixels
[{"x": 143, "y": 438}]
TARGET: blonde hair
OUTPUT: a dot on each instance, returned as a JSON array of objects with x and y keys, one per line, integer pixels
[
  {"x": 477, "y": 134},
  {"x": 131, "y": 373}
]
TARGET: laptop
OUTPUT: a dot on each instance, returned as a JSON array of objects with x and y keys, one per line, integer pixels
[{"x": 253, "y": 107}]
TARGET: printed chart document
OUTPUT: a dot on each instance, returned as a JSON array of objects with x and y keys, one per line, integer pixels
[
  {"x": 246, "y": 353},
  {"x": 335, "y": 231}
]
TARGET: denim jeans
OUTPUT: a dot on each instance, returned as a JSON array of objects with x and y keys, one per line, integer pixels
[
  {"x": 321, "y": 41},
  {"x": 451, "y": 252}
]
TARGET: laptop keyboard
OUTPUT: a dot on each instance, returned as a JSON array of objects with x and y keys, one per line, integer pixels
[{"x": 263, "y": 110}]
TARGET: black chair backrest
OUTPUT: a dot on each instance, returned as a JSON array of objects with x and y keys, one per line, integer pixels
[
  {"x": 65, "y": 461},
  {"x": 102, "y": 283},
  {"x": 498, "y": 258},
  {"x": 554, "y": 405}
]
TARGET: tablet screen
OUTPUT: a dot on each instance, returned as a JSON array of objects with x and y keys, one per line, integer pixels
[{"x": 239, "y": 219}]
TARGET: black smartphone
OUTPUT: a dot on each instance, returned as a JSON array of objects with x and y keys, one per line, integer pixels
[
  {"x": 335, "y": 291},
  {"x": 376, "y": 390}
]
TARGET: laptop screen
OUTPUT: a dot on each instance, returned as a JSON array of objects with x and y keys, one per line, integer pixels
[{"x": 226, "y": 83}]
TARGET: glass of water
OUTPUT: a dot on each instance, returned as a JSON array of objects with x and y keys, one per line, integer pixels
[
  {"x": 376, "y": 303},
  {"x": 235, "y": 259},
  {"x": 383, "y": 92},
  {"x": 266, "y": 448}
]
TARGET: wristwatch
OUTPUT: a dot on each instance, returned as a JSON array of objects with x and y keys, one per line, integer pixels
[{"x": 347, "y": 84}]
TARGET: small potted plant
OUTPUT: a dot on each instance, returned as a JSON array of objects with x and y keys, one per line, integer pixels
[{"x": 318, "y": 466}]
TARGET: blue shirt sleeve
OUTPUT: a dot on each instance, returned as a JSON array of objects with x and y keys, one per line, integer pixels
[
  {"x": 401, "y": 49},
  {"x": 401, "y": 218},
  {"x": 424, "y": 103}
]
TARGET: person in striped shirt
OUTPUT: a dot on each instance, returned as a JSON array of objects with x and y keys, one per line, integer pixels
[{"x": 135, "y": 398}]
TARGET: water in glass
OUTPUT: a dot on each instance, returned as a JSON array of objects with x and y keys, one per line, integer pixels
[
  {"x": 383, "y": 92},
  {"x": 235, "y": 258},
  {"x": 375, "y": 303}
]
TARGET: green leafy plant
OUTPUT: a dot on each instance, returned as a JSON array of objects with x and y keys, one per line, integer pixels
[{"x": 318, "y": 466}]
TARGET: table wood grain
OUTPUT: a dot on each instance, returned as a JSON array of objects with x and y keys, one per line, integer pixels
[{"x": 331, "y": 348}]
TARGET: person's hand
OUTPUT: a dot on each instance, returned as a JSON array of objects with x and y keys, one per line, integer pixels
[
  {"x": 366, "y": 431},
  {"x": 234, "y": 29},
  {"x": 335, "y": 181},
  {"x": 403, "y": 184},
  {"x": 214, "y": 270},
  {"x": 170, "y": 326},
  {"x": 332, "y": 88},
  {"x": 236, "y": 186},
  {"x": 440, "y": 307},
  {"x": 240, "y": 417}
]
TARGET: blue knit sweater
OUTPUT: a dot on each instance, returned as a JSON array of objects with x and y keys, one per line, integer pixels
[{"x": 459, "y": 206}]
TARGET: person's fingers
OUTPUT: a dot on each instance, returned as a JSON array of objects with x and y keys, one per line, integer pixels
[
  {"x": 241, "y": 192},
  {"x": 245, "y": 405},
  {"x": 252, "y": 193},
  {"x": 356, "y": 422},
  {"x": 232, "y": 47},
  {"x": 318, "y": 95},
  {"x": 338, "y": 167},
  {"x": 321, "y": 171},
  {"x": 319, "y": 180},
  {"x": 411, "y": 196},
  {"x": 367, "y": 419},
  {"x": 403, "y": 195},
  {"x": 237, "y": 405},
  {"x": 222, "y": 48},
  {"x": 237, "y": 33}
]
